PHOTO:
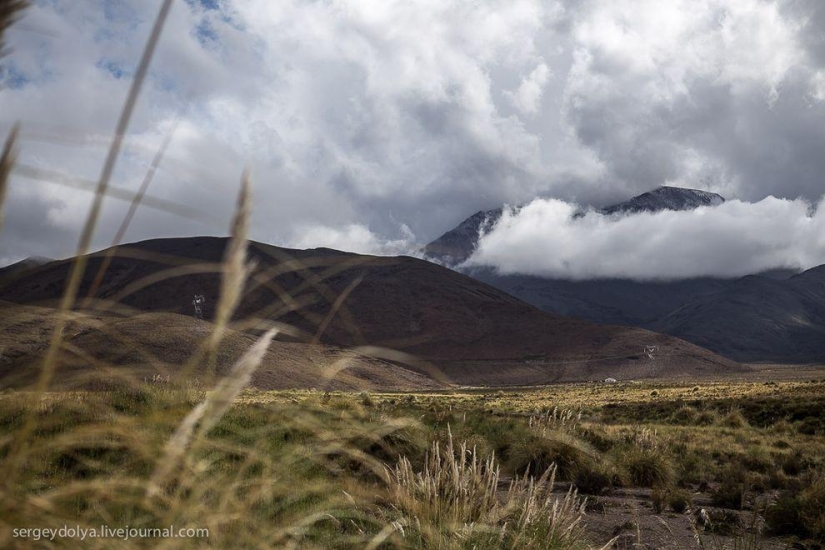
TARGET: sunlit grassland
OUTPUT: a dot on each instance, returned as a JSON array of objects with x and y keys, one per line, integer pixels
[
  {"x": 317, "y": 469},
  {"x": 580, "y": 395}
]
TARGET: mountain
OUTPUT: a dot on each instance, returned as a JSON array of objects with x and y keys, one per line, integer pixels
[
  {"x": 773, "y": 316},
  {"x": 469, "y": 332},
  {"x": 23, "y": 265},
  {"x": 456, "y": 245}
]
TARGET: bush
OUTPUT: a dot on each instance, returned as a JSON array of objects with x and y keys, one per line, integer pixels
[
  {"x": 794, "y": 463},
  {"x": 757, "y": 459},
  {"x": 366, "y": 399},
  {"x": 691, "y": 467},
  {"x": 730, "y": 494},
  {"x": 592, "y": 479},
  {"x": 811, "y": 426},
  {"x": 725, "y": 523},
  {"x": 734, "y": 419},
  {"x": 812, "y": 504},
  {"x": 535, "y": 454},
  {"x": 685, "y": 416},
  {"x": 679, "y": 500},
  {"x": 707, "y": 417},
  {"x": 802, "y": 514},
  {"x": 784, "y": 517},
  {"x": 659, "y": 499},
  {"x": 648, "y": 468},
  {"x": 597, "y": 437}
]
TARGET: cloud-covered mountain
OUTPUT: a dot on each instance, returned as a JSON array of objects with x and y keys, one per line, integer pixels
[
  {"x": 776, "y": 314},
  {"x": 458, "y": 244}
]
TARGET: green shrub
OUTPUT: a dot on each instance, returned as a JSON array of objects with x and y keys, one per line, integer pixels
[
  {"x": 757, "y": 459},
  {"x": 679, "y": 500},
  {"x": 730, "y": 494},
  {"x": 794, "y": 463},
  {"x": 725, "y": 523},
  {"x": 592, "y": 479},
  {"x": 811, "y": 426},
  {"x": 658, "y": 498},
  {"x": 707, "y": 417},
  {"x": 535, "y": 453},
  {"x": 366, "y": 399},
  {"x": 812, "y": 509},
  {"x": 647, "y": 468},
  {"x": 734, "y": 419},
  {"x": 685, "y": 416},
  {"x": 801, "y": 514},
  {"x": 597, "y": 437}
]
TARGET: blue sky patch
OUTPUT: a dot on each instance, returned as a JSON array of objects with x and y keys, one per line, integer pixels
[{"x": 113, "y": 68}]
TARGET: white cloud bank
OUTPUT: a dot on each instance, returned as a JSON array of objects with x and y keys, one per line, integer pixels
[{"x": 730, "y": 240}]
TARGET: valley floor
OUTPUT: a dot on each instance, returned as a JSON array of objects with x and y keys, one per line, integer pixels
[{"x": 708, "y": 464}]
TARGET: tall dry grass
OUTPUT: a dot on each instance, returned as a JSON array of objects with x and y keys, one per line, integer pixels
[{"x": 456, "y": 502}]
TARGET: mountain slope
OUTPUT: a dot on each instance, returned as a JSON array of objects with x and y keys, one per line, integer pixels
[
  {"x": 758, "y": 319},
  {"x": 474, "y": 333},
  {"x": 149, "y": 344},
  {"x": 774, "y": 316},
  {"x": 458, "y": 244},
  {"x": 604, "y": 301}
]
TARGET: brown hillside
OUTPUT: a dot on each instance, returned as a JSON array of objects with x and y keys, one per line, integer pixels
[
  {"x": 474, "y": 332},
  {"x": 161, "y": 344}
]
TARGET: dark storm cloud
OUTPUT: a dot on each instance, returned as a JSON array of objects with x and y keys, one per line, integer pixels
[{"x": 377, "y": 126}]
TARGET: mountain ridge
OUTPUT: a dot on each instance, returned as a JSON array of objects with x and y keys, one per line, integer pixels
[{"x": 474, "y": 333}]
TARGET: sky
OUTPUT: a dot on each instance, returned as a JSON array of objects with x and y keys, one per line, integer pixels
[{"x": 376, "y": 125}]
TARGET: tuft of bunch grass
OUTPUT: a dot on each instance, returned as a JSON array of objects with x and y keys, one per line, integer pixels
[
  {"x": 456, "y": 488},
  {"x": 647, "y": 467},
  {"x": 734, "y": 419},
  {"x": 557, "y": 420},
  {"x": 454, "y": 502}
]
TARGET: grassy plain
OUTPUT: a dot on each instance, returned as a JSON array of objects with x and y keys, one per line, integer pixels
[{"x": 310, "y": 469}]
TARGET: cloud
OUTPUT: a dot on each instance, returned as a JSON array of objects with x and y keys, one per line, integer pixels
[
  {"x": 733, "y": 239},
  {"x": 357, "y": 113},
  {"x": 527, "y": 97}
]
